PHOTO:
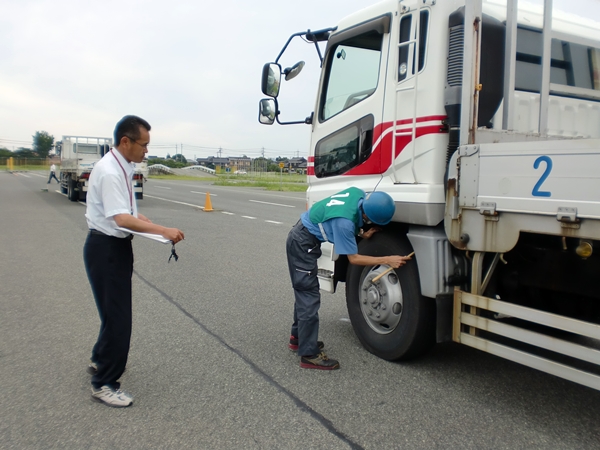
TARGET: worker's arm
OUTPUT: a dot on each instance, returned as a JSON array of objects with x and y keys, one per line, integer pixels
[
  {"x": 394, "y": 261},
  {"x": 145, "y": 226},
  {"x": 144, "y": 218}
]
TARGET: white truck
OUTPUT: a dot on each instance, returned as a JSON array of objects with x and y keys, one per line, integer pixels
[
  {"x": 482, "y": 120},
  {"x": 78, "y": 154}
]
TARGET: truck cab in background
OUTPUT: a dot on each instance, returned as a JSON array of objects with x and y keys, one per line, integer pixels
[{"x": 482, "y": 120}]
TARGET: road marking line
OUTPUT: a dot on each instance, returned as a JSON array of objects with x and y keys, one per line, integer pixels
[
  {"x": 228, "y": 213},
  {"x": 196, "y": 192},
  {"x": 173, "y": 201},
  {"x": 249, "y": 217},
  {"x": 78, "y": 201},
  {"x": 274, "y": 204},
  {"x": 21, "y": 175},
  {"x": 272, "y": 221},
  {"x": 162, "y": 187}
]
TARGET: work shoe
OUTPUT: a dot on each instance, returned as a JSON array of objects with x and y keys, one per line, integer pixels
[
  {"x": 112, "y": 397},
  {"x": 294, "y": 344},
  {"x": 92, "y": 368},
  {"x": 320, "y": 361}
]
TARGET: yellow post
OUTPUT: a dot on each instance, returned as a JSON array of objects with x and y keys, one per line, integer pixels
[
  {"x": 208, "y": 205},
  {"x": 10, "y": 164}
]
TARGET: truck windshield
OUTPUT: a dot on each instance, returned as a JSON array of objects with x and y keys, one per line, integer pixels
[{"x": 352, "y": 73}]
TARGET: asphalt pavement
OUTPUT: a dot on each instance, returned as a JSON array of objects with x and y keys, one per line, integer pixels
[{"x": 209, "y": 366}]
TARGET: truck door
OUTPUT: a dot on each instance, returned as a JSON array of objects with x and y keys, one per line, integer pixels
[{"x": 350, "y": 103}]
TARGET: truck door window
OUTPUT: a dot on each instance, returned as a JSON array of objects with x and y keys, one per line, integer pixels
[
  {"x": 352, "y": 73},
  {"x": 405, "y": 36},
  {"x": 344, "y": 149}
]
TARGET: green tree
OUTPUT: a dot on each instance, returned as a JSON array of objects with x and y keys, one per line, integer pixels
[
  {"x": 5, "y": 153},
  {"x": 42, "y": 143},
  {"x": 23, "y": 152}
]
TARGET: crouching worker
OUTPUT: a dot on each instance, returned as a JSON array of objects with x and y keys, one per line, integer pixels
[{"x": 337, "y": 219}]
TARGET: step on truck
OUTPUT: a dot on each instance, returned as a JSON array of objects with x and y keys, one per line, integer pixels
[
  {"x": 78, "y": 154},
  {"x": 482, "y": 120}
]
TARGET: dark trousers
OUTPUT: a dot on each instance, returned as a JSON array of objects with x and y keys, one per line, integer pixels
[
  {"x": 52, "y": 175},
  {"x": 303, "y": 249},
  {"x": 109, "y": 266}
]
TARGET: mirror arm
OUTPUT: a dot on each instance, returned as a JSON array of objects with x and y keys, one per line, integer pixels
[
  {"x": 308, "y": 120},
  {"x": 311, "y": 36},
  {"x": 288, "y": 43}
]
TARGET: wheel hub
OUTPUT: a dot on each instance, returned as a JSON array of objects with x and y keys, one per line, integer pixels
[{"x": 381, "y": 302}]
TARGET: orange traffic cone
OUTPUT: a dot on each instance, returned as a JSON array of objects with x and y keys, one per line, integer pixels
[{"x": 208, "y": 205}]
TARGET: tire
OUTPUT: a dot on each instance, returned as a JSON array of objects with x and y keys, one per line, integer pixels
[
  {"x": 63, "y": 182},
  {"x": 73, "y": 192},
  {"x": 405, "y": 328}
]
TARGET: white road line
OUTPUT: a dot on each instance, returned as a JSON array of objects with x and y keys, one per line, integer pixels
[
  {"x": 196, "y": 192},
  {"x": 249, "y": 217},
  {"x": 38, "y": 175},
  {"x": 228, "y": 213},
  {"x": 78, "y": 201},
  {"x": 162, "y": 187},
  {"x": 274, "y": 204},
  {"x": 21, "y": 175},
  {"x": 173, "y": 201},
  {"x": 272, "y": 221}
]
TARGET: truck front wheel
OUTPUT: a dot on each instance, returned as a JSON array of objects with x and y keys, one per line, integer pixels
[{"x": 390, "y": 317}]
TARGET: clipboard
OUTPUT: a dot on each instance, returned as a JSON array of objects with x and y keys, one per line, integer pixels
[{"x": 153, "y": 237}]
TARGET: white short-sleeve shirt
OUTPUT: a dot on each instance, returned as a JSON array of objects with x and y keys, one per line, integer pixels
[{"x": 110, "y": 192}]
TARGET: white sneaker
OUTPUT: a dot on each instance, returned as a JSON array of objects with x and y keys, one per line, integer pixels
[{"x": 112, "y": 397}]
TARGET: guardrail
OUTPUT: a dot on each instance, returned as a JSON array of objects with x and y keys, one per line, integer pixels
[
  {"x": 202, "y": 168},
  {"x": 159, "y": 168}
]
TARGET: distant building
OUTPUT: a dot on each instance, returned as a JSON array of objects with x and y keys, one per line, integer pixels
[
  {"x": 241, "y": 163},
  {"x": 298, "y": 164}
]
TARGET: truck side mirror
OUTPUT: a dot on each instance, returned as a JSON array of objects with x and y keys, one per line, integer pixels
[
  {"x": 271, "y": 79},
  {"x": 267, "y": 110},
  {"x": 292, "y": 72}
]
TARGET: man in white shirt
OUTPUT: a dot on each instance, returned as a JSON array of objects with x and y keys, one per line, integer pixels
[
  {"x": 52, "y": 174},
  {"x": 108, "y": 254}
]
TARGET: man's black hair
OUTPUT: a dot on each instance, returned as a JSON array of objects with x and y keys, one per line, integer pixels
[{"x": 129, "y": 126}]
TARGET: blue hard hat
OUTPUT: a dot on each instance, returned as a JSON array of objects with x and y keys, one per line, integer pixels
[{"x": 379, "y": 207}]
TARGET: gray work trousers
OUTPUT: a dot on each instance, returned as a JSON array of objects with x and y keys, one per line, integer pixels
[{"x": 303, "y": 249}]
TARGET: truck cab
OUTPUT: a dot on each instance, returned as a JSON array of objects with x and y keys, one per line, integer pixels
[{"x": 482, "y": 120}]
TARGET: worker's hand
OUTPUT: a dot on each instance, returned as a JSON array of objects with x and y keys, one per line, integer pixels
[
  {"x": 173, "y": 234},
  {"x": 370, "y": 232},
  {"x": 396, "y": 260}
]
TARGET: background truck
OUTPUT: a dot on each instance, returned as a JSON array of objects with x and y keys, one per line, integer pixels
[
  {"x": 482, "y": 120},
  {"x": 78, "y": 154}
]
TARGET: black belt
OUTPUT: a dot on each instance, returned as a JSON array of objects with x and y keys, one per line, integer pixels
[{"x": 100, "y": 233}]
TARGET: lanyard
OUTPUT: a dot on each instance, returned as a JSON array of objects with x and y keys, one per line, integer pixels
[{"x": 126, "y": 182}]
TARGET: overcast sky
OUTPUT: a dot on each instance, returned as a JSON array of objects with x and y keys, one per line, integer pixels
[{"x": 190, "y": 67}]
